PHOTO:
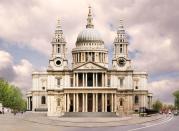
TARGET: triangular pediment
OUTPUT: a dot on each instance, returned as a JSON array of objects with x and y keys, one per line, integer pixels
[{"x": 90, "y": 66}]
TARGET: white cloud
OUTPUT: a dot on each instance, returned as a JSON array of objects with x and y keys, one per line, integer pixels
[
  {"x": 17, "y": 74},
  {"x": 163, "y": 89},
  {"x": 5, "y": 59},
  {"x": 152, "y": 51},
  {"x": 23, "y": 72}
]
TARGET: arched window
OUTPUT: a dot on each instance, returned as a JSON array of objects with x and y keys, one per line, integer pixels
[
  {"x": 120, "y": 48},
  {"x": 136, "y": 99},
  {"x": 43, "y": 100},
  {"x": 121, "y": 102},
  {"x": 58, "y": 48}
]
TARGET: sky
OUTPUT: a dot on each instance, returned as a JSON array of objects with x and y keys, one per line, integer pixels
[{"x": 27, "y": 28}]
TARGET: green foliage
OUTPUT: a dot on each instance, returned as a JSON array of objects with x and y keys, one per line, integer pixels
[
  {"x": 11, "y": 96},
  {"x": 176, "y": 95},
  {"x": 157, "y": 105}
]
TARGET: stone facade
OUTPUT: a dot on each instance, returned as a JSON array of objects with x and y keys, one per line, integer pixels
[{"x": 90, "y": 86}]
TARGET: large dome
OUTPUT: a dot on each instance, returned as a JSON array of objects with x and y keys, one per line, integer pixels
[{"x": 89, "y": 34}]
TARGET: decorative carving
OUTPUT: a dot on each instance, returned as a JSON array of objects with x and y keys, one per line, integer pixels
[
  {"x": 90, "y": 66},
  {"x": 60, "y": 103},
  {"x": 120, "y": 105}
]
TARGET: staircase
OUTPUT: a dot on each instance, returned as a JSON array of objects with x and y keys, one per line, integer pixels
[{"x": 89, "y": 114}]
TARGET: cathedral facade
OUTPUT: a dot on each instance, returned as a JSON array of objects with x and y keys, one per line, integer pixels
[{"x": 89, "y": 85}]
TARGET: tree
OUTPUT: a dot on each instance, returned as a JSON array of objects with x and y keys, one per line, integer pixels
[
  {"x": 11, "y": 96},
  {"x": 157, "y": 105},
  {"x": 176, "y": 95}
]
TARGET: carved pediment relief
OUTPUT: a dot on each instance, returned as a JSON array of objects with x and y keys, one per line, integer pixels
[{"x": 89, "y": 66}]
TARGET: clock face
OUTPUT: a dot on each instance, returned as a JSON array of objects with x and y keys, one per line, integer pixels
[
  {"x": 121, "y": 61},
  {"x": 58, "y": 62}
]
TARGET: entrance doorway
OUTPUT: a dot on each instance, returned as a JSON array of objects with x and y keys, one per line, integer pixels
[
  {"x": 80, "y": 102},
  {"x": 31, "y": 103},
  {"x": 99, "y": 102},
  {"x": 90, "y": 79},
  {"x": 108, "y": 103},
  {"x": 71, "y": 103},
  {"x": 90, "y": 102}
]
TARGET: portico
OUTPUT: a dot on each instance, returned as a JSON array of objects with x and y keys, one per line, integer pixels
[
  {"x": 89, "y": 79},
  {"x": 90, "y": 102}
]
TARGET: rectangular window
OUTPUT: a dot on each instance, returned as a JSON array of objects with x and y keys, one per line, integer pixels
[
  {"x": 71, "y": 81},
  {"x": 43, "y": 100},
  {"x": 121, "y": 80},
  {"x": 136, "y": 84},
  {"x": 58, "y": 81},
  {"x": 109, "y": 80}
]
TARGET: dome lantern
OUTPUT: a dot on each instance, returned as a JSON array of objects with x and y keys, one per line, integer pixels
[{"x": 89, "y": 19}]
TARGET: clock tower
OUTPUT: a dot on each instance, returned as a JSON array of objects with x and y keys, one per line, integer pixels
[
  {"x": 58, "y": 60},
  {"x": 120, "y": 59}
]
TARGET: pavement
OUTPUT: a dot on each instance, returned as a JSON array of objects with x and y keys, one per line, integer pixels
[
  {"x": 89, "y": 121},
  {"x": 40, "y": 122}
]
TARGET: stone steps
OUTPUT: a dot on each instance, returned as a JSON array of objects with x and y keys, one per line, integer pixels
[{"x": 90, "y": 114}]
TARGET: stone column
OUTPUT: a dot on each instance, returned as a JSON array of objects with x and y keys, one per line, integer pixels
[
  {"x": 102, "y": 57},
  {"x": 27, "y": 103},
  {"x": 77, "y": 103},
  {"x": 106, "y": 80},
  {"x": 102, "y": 102},
  {"x": 68, "y": 102},
  {"x": 86, "y": 79},
  {"x": 93, "y": 79},
  {"x": 83, "y": 80},
  {"x": 74, "y": 103},
  {"x": 105, "y": 103},
  {"x": 30, "y": 100},
  {"x": 65, "y": 102},
  {"x": 61, "y": 48},
  {"x": 96, "y": 79},
  {"x": 78, "y": 57},
  {"x": 93, "y": 102},
  {"x": 102, "y": 75},
  {"x": 96, "y": 102},
  {"x": 115, "y": 104},
  {"x": 83, "y": 100},
  {"x": 77, "y": 79},
  {"x": 84, "y": 58},
  {"x": 86, "y": 102},
  {"x": 73, "y": 79},
  {"x": 112, "y": 103}
]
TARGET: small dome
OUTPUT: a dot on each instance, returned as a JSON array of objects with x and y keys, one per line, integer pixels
[{"x": 89, "y": 34}]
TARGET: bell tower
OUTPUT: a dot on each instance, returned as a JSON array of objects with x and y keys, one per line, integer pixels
[
  {"x": 58, "y": 60},
  {"x": 120, "y": 59}
]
